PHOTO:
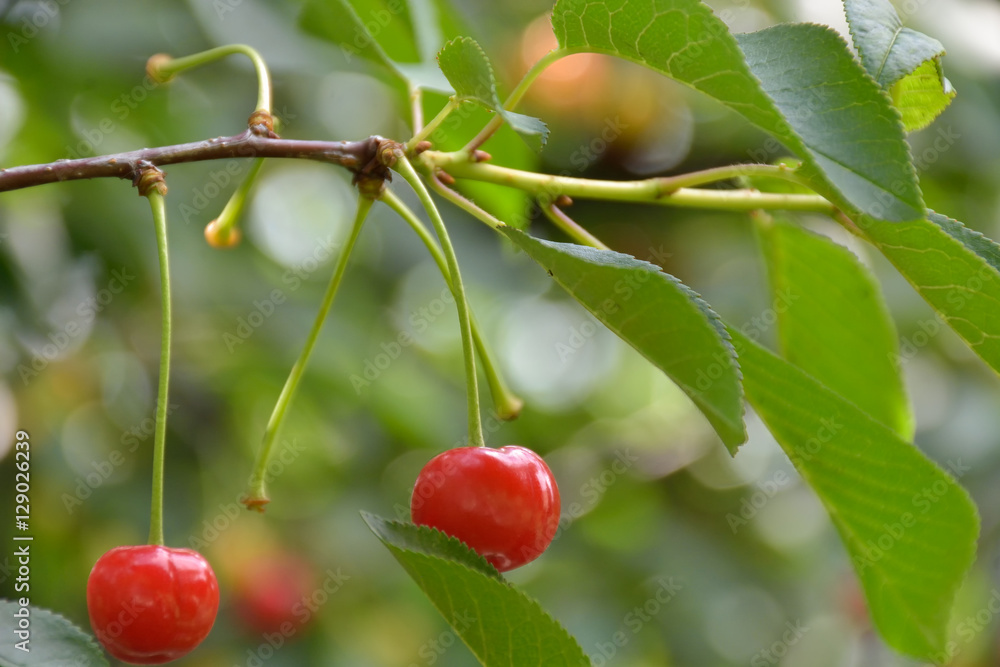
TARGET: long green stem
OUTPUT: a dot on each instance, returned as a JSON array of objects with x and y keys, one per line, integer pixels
[
  {"x": 417, "y": 107},
  {"x": 466, "y": 204},
  {"x": 663, "y": 191},
  {"x": 168, "y": 67},
  {"x": 727, "y": 172},
  {"x": 406, "y": 170},
  {"x": 571, "y": 228},
  {"x": 515, "y": 97},
  {"x": 160, "y": 429},
  {"x": 224, "y": 227},
  {"x": 257, "y": 492},
  {"x": 506, "y": 404},
  {"x": 428, "y": 129}
]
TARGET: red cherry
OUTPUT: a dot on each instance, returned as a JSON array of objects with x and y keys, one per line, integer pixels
[
  {"x": 270, "y": 593},
  {"x": 503, "y": 503},
  {"x": 151, "y": 604}
]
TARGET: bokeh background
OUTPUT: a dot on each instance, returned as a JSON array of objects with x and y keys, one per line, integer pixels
[{"x": 763, "y": 578}]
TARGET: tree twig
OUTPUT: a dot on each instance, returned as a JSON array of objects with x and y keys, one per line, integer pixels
[{"x": 358, "y": 156}]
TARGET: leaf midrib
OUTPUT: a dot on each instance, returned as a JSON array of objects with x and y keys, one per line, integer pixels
[{"x": 885, "y": 58}]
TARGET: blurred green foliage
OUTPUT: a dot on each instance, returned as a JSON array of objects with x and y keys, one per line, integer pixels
[{"x": 649, "y": 493}]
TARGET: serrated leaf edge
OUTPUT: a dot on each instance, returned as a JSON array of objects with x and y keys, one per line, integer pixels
[
  {"x": 486, "y": 568},
  {"x": 532, "y": 602},
  {"x": 944, "y": 82},
  {"x": 896, "y": 113},
  {"x": 496, "y": 104},
  {"x": 703, "y": 307},
  {"x": 895, "y": 35},
  {"x": 91, "y": 642},
  {"x": 494, "y": 576}
]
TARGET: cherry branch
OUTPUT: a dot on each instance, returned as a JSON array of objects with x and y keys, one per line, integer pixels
[{"x": 361, "y": 157}]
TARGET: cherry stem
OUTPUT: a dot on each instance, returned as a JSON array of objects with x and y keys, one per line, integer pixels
[
  {"x": 571, "y": 227},
  {"x": 506, "y": 404},
  {"x": 406, "y": 170},
  {"x": 664, "y": 191},
  {"x": 257, "y": 492},
  {"x": 230, "y": 214},
  {"x": 160, "y": 432},
  {"x": 466, "y": 204},
  {"x": 164, "y": 67},
  {"x": 417, "y": 107},
  {"x": 428, "y": 130}
]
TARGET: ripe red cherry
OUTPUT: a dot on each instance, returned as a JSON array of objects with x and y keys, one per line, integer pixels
[
  {"x": 151, "y": 604},
  {"x": 503, "y": 503},
  {"x": 270, "y": 593}
]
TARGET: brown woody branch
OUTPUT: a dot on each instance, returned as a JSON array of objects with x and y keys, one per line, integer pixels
[{"x": 361, "y": 157}]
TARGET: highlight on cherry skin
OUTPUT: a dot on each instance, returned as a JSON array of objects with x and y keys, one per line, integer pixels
[
  {"x": 151, "y": 604},
  {"x": 503, "y": 503}
]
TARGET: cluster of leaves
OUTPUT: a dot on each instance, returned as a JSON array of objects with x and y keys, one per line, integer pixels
[{"x": 834, "y": 398}]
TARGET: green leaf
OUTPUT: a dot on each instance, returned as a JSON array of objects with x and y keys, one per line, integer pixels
[
  {"x": 380, "y": 31},
  {"x": 470, "y": 73},
  {"x": 888, "y": 50},
  {"x": 908, "y": 526},
  {"x": 834, "y": 324},
  {"x": 500, "y": 624},
  {"x": 53, "y": 641},
  {"x": 956, "y": 270},
  {"x": 657, "y": 315},
  {"x": 905, "y": 62},
  {"x": 853, "y": 134},
  {"x": 922, "y": 95},
  {"x": 798, "y": 82},
  {"x": 972, "y": 240}
]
